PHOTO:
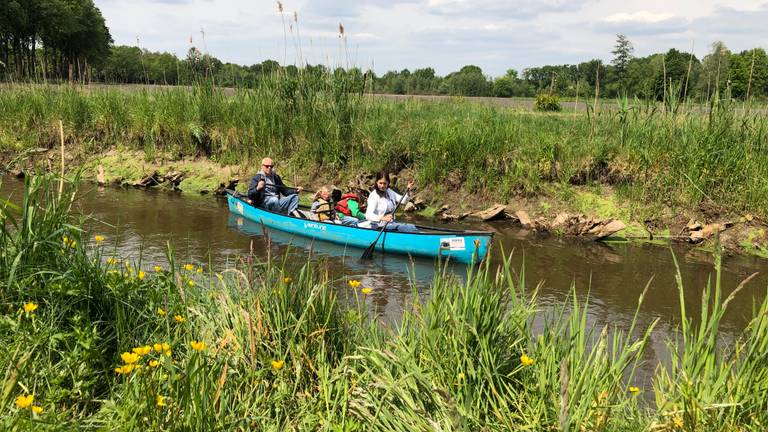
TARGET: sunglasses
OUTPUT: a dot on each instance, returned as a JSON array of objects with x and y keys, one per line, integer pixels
[{"x": 267, "y": 166}]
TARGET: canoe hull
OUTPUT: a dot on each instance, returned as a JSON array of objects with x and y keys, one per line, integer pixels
[{"x": 466, "y": 247}]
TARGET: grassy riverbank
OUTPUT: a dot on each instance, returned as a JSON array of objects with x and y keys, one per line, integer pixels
[
  {"x": 262, "y": 346},
  {"x": 647, "y": 166}
]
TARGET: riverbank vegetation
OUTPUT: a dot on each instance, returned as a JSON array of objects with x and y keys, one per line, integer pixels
[
  {"x": 91, "y": 341},
  {"x": 673, "y": 155}
]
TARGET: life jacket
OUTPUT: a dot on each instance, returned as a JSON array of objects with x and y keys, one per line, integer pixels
[
  {"x": 342, "y": 205},
  {"x": 323, "y": 211}
]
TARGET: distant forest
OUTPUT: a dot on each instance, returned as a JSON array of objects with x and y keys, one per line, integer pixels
[{"x": 68, "y": 40}]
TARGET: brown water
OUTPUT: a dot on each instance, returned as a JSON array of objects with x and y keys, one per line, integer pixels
[{"x": 612, "y": 276}]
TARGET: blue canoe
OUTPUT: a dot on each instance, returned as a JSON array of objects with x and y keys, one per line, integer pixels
[{"x": 458, "y": 245}]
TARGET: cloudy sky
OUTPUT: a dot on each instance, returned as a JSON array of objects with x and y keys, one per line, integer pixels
[{"x": 444, "y": 34}]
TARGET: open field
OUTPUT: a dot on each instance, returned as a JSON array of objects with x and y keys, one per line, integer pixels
[{"x": 263, "y": 346}]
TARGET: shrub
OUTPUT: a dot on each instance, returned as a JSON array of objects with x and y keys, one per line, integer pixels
[{"x": 547, "y": 102}]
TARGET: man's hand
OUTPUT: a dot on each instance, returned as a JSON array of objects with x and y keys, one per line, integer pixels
[
  {"x": 386, "y": 218},
  {"x": 260, "y": 185},
  {"x": 411, "y": 184},
  {"x": 299, "y": 189}
]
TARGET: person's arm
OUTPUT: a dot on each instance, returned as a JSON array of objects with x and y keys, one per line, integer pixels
[
  {"x": 257, "y": 184},
  {"x": 354, "y": 209},
  {"x": 370, "y": 212},
  {"x": 397, "y": 197}
]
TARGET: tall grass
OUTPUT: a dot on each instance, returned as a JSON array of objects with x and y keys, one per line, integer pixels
[
  {"x": 302, "y": 350},
  {"x": 681, "y": 157}
]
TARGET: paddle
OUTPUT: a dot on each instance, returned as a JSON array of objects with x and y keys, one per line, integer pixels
[
  {"x": 290, "y": 187},
  {"x": 368, "y": 253}
]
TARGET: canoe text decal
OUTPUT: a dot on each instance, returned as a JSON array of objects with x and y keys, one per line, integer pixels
[
  {"x": 313, "y": 225},
  {"x": 452, "y": 243},
  {"x": 239, "y": 207}
]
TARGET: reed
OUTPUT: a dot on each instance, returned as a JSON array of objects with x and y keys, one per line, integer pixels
[{"x": 684, "y": 156}]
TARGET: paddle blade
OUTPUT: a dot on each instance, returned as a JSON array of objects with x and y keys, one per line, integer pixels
[{"x": 368, "y": 252}]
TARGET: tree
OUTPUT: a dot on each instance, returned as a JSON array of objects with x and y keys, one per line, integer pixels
[
  {"x": 622, "y": 54},
  {"x": 715, "y": 68}
]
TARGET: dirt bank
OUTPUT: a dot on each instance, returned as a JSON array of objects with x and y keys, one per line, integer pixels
[{"x": 588, "y": 212}]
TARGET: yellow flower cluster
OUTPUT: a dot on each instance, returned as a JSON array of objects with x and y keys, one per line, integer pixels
[
  {"x": 157, "y": 269},
  {"x": 197, "y": 346},
  {"x": 69, "y": 242},
  {"x": 189, "y": 267},
  {"x": 29, "y": 307},
  {"x": 162, "y": 348},
  {"x": 99, "y": 238},
  {"x": 27, "y": 401},
  {"x": 277, "y": 364},
  {"x": 366, "y": 290},
  {"x": 131, "y": 359},
  {"x": 634, "y": 390},
  {"x": 179, "y": 319},
  {"x": 525, "y": 360},
  {"x": 287, "y": 280},
  {"x": 111, "y": 261},
  {"x": 354, "y": 283}
]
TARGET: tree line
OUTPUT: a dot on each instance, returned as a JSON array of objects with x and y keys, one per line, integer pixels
[
  {"x": 68, "y": 40},
  {"x": 51, "y": 38}
]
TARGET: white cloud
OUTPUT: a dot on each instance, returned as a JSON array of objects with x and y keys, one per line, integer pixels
[
  {"x": 638, "y": 17},
  {"x": 444, "y": 34}
]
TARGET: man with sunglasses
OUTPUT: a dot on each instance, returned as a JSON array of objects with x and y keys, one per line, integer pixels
[{"x": 267, "y": 187}]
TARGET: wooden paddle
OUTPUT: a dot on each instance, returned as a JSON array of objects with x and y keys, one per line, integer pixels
[{"x": 368, "y": 252}]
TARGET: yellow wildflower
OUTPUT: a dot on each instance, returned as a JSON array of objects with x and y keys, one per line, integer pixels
[
  {"x": 287, "y": 280},
  {"x": 129, "y": 358},
  {"x": 199, "y": 269},
  {"x": 30, "y": 307},
  {"x": 461, "y": 376},
  {"x": 678, "y": 422},
  {"x": 189, "y": 267},
  {"x": 354, "y": 283},
  {"x": 525, "y": 360},
  {"x": 141, "y": 274},
  {"x": 277, "y": 364},
  {"x": 179, "y": 319},
  {"x": 161, "y": 312},
  {"x": 191, "y": 283},
  {"x": 37, "y": 409},
  {"x": 99, "y": 238},
  {"x": 154, "y": 363},
  {"x": 197, "y": 346},
  {"x": 634, "y": 390},
  {"x": 125, "y": 369},
  {"x": 160, "y": 401},
  {"x": 111, "y": 261},
  {"x": 143, "y": 350},
  {"x": 366, "y": 291},
  {"x": 25, "y": 401},
  {"x": 157, "y": 269}
]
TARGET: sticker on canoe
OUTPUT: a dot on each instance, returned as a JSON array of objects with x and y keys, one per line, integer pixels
[
  {"x": 452, "y": 243},
  {"x": 239, "y": 207},
  {"x": 314, "y": 226}
]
